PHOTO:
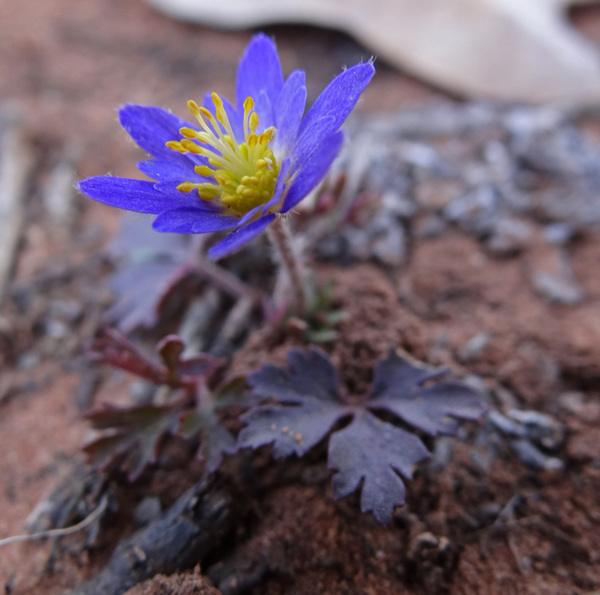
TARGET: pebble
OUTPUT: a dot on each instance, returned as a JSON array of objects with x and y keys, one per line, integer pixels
[
  {"x": 559, "y": 233},
  {"x": 474, "y": 346},
  {"x": 540, "y": 428},
  {"x": 533, "y": 457},
  {"x": 559, "y": 288},
  {"x": 431, "y": 226},
  {"x": 476, "y": 210},
  {"x": 509, "y": 236},
  {"x": 442, "y": 453}
]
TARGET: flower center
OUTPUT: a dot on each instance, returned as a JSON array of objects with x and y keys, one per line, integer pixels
[{"x": 244, "y": 174}]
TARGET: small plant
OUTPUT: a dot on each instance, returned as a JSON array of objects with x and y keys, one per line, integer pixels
[
  {"x": 132, "y": 436},
  {"x": 237, "y": 168},
  {"x": 369, "y": 449},
  {"x": 241, "y": 168}
]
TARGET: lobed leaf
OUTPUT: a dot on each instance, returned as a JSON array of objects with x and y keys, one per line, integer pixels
[
  {"x": 176, "y": 372},
  {"x": 215, "y": 440},
  {"x": 152, "y": 266},
  {"x": 291, "y": 429},
  {"x": 369, "y": 454},
  {"x": 374, "y": 452},
  {"x": 398, "y": 388},
  {"x": 136, "y": 437},
  {"x": 311, "y": 375}
]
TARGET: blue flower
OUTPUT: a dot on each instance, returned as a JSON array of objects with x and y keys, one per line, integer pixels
[{"x": 236, "y": 167}]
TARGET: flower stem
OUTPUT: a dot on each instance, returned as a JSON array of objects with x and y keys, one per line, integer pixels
[{"x": 280, "y": 235}]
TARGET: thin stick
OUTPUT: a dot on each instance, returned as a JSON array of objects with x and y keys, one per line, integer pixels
[
  {"x": 60, "y": 532},
  {"x": 281, "y": 237},
  {"x": 15, "y": 163}
]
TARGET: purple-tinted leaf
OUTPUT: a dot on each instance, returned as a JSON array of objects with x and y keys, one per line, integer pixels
[
  {"x": 170, "y": 349},
  {"x": 369, "y": 454},
  {"x": 134, "y": 436},
  {"x": 114, "y": 349},
  {"x": 152, "y": 266},
  {"x": 291, "y": 429},
  {"x": 183, "y": 371},
  {"x": 374, "y": 452},
  {"x": 398, "y": 388},
  {"x": 311, "y": 377},
  {"x": 140, "y": 290},
  {"x": 215, "y": 440},
  {"x": 232, "y": 392}
]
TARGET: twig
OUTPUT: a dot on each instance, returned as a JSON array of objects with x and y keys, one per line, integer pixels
[
  {"x": 235, "y": 324},
  {"x": 224, "y": 280},
  {"x": 95, "y": 514},
  {"x": 15, "y": 162}
]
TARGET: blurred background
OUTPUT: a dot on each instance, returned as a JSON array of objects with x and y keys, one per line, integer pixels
[{"x": 69, "y": 64}]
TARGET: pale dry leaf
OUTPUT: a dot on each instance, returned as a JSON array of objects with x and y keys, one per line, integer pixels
[{"x": 503, "y": 49}]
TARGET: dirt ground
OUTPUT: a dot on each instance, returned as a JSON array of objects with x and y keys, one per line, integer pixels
[{"x": 487, "y": 517}]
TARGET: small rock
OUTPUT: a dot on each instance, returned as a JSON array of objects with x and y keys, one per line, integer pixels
[
  {"x": 506, "y": 425},
  {"x": 509, "y": 236},
  {"x": 390, "y": 247},
  {"x": 540, "y": 428},
  {"x": 476, "y": 210},
  {"x": 559, "y": 233},
  {"x": 398, "y": 204},
  {"x": 533, "y": 457},
  {"x": 430, "y": 227},
  {"x": 474, "y": 347},
  {"x": 558, "y": 287}
]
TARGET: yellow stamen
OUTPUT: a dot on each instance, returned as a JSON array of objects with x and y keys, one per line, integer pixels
[{"x": 245, "y": 172}]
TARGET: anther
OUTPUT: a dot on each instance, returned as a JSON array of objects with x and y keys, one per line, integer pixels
[{"x": 193, "y": 107}]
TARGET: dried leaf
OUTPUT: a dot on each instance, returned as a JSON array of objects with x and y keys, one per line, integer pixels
[{"x": 503, "y": 49}]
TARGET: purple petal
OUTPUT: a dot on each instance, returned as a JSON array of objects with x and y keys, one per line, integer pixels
[
  {"x": 259, "y": 70},
  {"x": 234, "y": 117},
  {"x": 313, "y": 171},
  {"x": 192, "y": 220},
  {"x": 133, "y": 195},
  {"x": 151, "y": 127},
  {"x": 264, "y": 110},
  {"x": 180, "y": 199},
  {"x": 235, "y": 240},
  {"x": 166, "y": 170},
  {"x": 289, "y": 109},
  {"x": 334, "y": 104}
]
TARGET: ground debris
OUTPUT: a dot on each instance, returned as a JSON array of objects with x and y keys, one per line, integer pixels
[{"x": 197, "y": 523}]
